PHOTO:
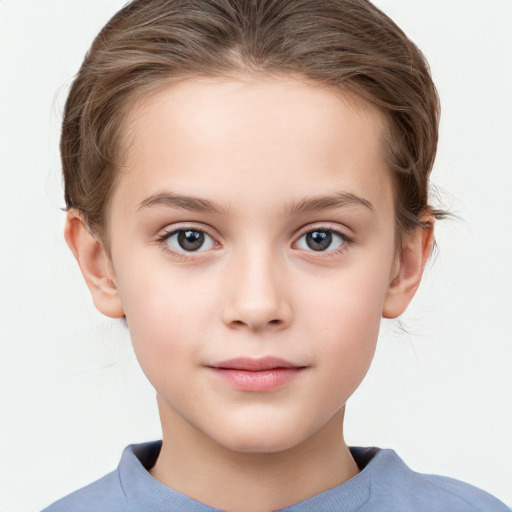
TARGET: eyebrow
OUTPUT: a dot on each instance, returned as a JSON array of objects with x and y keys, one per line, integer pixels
[
  {"x": 306, "y": 205},
  {"x": 331, "y": 202},
  {"x": 172, "y": 200}
]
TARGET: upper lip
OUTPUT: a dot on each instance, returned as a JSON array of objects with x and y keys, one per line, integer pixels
[{"x": 254, "y": 364}]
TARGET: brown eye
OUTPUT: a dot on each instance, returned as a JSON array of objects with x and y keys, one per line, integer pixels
[
  {"x": 189, "y": 240},
  {"x": 321, "y": 240}
]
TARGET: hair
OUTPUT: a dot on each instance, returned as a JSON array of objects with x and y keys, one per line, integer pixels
[{"x": 346, "y": 44}]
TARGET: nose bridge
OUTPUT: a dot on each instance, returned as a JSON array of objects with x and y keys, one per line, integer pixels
[{"x": 257, "y": 297}]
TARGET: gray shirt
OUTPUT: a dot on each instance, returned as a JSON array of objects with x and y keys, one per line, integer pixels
[{"x": 385, "y": 484}]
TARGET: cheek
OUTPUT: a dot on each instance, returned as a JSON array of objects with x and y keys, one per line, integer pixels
[
  {"x": 156, "y": 296},
  {"x": 348, "y": 301},
  {"x": 165, "y": 313},
  {"x": 344, "y": 318}
]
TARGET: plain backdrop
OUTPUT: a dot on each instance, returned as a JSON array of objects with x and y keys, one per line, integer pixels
[{"x": 440, "y": 393}]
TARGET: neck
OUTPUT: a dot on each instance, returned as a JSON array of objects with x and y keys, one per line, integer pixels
[{"x": 200, "y": 468}]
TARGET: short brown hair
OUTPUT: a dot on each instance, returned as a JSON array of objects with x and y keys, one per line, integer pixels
[{"x": 346, "y": 44}]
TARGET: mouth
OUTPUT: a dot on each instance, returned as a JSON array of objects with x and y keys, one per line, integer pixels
[{"x": 256, "y": 375}]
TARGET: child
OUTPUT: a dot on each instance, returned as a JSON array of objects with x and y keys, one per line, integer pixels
[{"x": 247, "y": 186}]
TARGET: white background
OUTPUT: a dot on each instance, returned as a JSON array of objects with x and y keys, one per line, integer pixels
[{"x": 71, "y": 394}]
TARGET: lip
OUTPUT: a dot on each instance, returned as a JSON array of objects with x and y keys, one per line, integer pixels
[{"x": 256, "y": 374}]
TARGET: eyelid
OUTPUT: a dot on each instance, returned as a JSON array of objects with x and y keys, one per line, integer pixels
[
  {"x": 342, "y": 233},
  {"x": 167, "y": 232},
  {"x": 187, "y": 226}
]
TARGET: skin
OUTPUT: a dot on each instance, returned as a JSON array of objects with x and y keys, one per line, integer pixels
[{"x": 258, "y": 149}]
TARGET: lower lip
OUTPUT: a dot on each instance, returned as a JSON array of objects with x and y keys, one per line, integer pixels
[{"x": 257, "y": 381}]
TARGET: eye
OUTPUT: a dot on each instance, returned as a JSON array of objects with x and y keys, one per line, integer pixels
[
  {"x": 321, "y": 240},
  {"x": 189, "y": 240}
]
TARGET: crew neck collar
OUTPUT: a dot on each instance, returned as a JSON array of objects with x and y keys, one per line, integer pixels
[{"x": 144, "y": 492}]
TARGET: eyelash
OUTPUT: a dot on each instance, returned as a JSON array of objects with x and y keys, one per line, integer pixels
[
  {"x": 163, "y": 239},
  {"x": 347, "y": 241}
]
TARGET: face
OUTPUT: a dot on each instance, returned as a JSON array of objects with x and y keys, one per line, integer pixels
[{"x": 252, "y": 248}]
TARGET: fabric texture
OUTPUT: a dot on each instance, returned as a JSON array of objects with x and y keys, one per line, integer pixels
[{"x": 385, "y": 484}]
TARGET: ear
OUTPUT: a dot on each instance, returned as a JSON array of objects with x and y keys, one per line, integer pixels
[
  {"x": 95, "y": 265},
  {"x": 408, "y": 268}
]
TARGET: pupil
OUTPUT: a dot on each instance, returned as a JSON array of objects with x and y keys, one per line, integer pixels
[
  {"x": 319, "y": 240},
  {"x": 190, "y": 240}
]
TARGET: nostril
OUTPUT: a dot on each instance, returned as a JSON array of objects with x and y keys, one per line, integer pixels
[{"x": 274, "y": 323}]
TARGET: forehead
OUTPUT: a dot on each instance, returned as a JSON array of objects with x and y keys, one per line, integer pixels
[{"x": 234, "y": 137}]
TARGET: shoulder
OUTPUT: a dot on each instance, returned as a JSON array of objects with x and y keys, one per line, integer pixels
[
  {"x": 120, "y": 491},
  {"x": 465, "y": 496},
  {"x": 397, "y": 486},
  {"x": 104, "y": 494}
]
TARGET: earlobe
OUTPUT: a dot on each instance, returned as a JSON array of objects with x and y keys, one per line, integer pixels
[
  {"x": 407, "y": 273},
  {"x": 95, "y": 265}
]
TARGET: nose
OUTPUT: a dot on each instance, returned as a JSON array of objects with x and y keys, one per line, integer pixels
[{"x": 256, "y": 293}]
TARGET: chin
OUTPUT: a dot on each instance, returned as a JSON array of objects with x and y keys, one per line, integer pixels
[
  {"x": 261, "y": 440},
  {"x": 260, "y": 446}
]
